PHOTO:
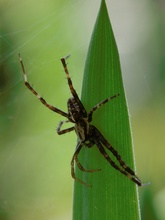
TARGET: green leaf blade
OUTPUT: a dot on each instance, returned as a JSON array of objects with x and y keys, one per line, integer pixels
[{"x": 113, "y": 195}]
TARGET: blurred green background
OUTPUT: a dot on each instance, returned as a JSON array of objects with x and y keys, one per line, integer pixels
[{"x": 35, "y": 181}]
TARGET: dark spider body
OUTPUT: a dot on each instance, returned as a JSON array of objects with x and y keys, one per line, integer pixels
[
  {"x": 88, "y": 135},
  {"x": 81, "y": 121}
]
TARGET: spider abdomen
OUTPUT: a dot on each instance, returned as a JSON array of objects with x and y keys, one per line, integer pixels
[{"x": 82, "y": 129}]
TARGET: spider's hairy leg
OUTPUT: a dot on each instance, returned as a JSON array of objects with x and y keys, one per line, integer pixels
[
  {"x": 36, "y": 94},
  {"x": 89, "y": 145},
  {"x": 78, "y": 148},
  {"x": 81, "y": 167},
  {"x": 112, "y": 163},
  {"x": 115, "y": 153},
  {"x": 99, "y": 105},
  {"x": 78, "y": 162},
  {"x": 73, "y": 91},
  {"x": 59, "y": 131}
]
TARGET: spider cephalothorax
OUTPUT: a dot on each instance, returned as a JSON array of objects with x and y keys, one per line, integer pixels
[
  {"x": 74, "y": 110},
  {"x": 88, "y": 135}
]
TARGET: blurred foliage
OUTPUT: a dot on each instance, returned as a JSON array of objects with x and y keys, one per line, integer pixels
[
  {"x": 148, "y": 209},
  {"x": 35, "y": 177}
]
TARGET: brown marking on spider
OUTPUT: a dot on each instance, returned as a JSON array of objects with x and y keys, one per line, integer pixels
[{"x": 88, "y": 134}]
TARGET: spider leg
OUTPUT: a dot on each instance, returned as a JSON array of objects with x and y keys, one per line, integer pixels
[
  {"x": 99, "y": 105},
  {"x": 36, "y": 94},
  {"x": 112, "y": 163},
  {"x": 82, "y": 168},
  {"x": 73, "y": 91},
  {"x": 75, "y": 158},
  {"x": 59, "y": 131},
  {"x": 89, "y": 145},
  {"x": 78, "y": 148},
  {"x": 115, "y": 153}
]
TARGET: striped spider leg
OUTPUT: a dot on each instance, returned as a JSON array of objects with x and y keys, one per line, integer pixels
[
  {"x": 100, "y": 141},
  {"x": 36, "y": 94},
  {"x": 88, "y": 135}
]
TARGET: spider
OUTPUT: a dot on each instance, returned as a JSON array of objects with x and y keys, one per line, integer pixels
[{"x": 88, "y": 135}]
